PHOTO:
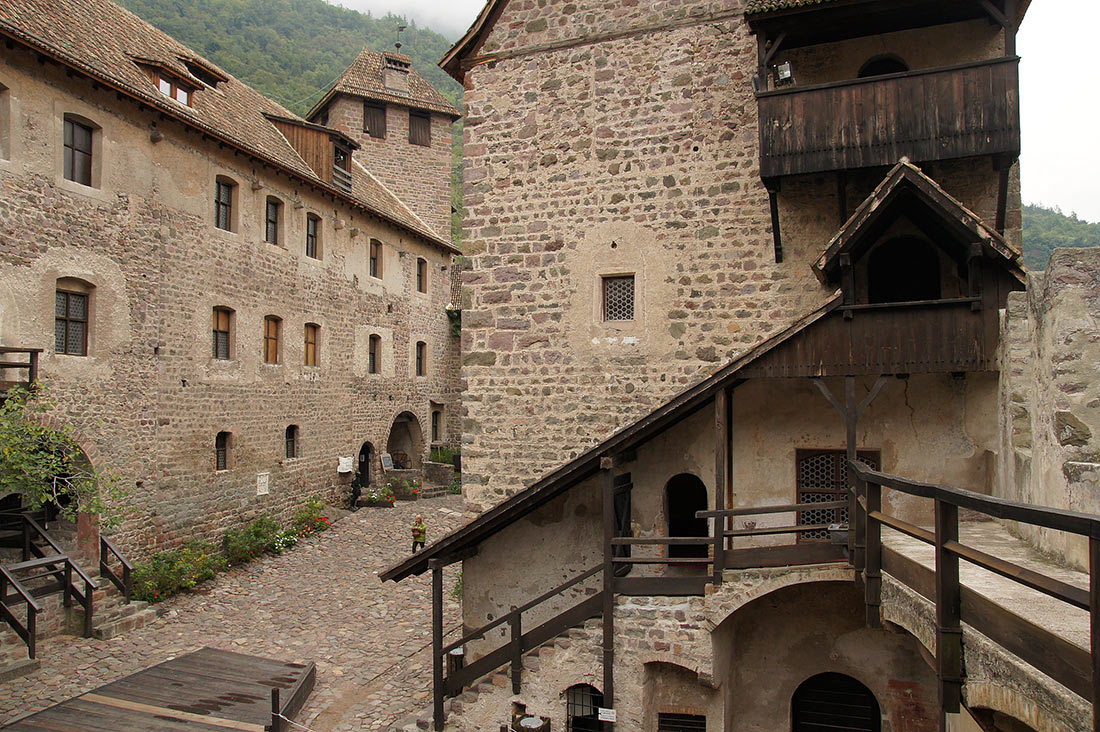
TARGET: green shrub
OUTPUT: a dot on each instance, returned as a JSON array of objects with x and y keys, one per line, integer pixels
[
  {"x": 444, "y": 455},
  {"x": 169, "y": 572},
  {"x": 456, "y": 485},
  {"x": 252, "y": 541},
  {"x": 403, "y": 489},
  {"x": 309, "y": 519}
]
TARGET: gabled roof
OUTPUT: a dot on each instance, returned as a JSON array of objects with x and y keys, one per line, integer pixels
[
  {"x": 111, "y": 45},
  {"x": 364, "y": 78},
  {"x": 907, "y": 185},
  {"x": 471, "y": 40},
  {"x": 551, "y": 485}
]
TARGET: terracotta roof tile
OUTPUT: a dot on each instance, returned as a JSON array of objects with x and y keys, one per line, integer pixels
[
  {"x": 363, "y": 78},
  {"x": 767, "y": 6},
  {"x": 113, "y": 45}
]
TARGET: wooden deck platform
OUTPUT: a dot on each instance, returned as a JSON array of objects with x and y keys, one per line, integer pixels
[{"x": 205, "y": 691}]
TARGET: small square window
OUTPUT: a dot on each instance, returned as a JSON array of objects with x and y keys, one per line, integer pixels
[{"x": 618, "y": 298}]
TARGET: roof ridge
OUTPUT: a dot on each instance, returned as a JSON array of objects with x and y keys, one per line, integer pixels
[{"x": 397, "y": 198}]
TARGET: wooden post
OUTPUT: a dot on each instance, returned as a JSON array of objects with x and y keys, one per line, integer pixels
[
  {"x": 606, "y": 463},
  {"x": 773, "y": 203},
  {"x": 856, "y": 523},
  {"x": 32, "y": 371},
  {"x": 516, "y": 650},
  {"x": 89, "y": 608},
  {"x": 872, "y": 571},
  {"x": 276, "y": 719},
  {"x": 721, "y": 470},
  {"x": 32, "y": 631},
  {"x": 1094, "y": 625},
  {"x": 949, "y": 659},
  {"x": 67, "y": 578},
  {"x": 437, "y": 643}
]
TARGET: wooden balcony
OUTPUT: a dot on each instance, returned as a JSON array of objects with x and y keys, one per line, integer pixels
[{"x": 933, "y": 114}]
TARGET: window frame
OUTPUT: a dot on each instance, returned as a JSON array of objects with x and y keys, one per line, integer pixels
[
  {"x": 67, "y": 319},
  {"x": 423, "y": 125},
  {"x": 5, "y": 123},
  {"x": 420, "y": 367},
  {"x": 272, "y": 334},
  {"x": 374, "y": 354},
  {"x": 226, "y": 208},
  {"x": 379, "y": 108},
  {"x": 311, "y": 347},
  {"x": 70, "y": 152},
  {"x": 175, "y": 87},
  {"x": 216, "y": 314},
  {"x": 437, "y": 425},
  {"x": 313, "y": 236},
  {"x": 223, "y": 451},
  {"x": 377, "y": 258},
  {"x": 292, "y": 443},
  {"x": 605, "y": 281},
  {"x": 422, "y": 275},
  {"x": 273, "y": 220}
]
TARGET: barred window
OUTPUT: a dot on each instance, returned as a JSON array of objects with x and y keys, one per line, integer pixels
[
  {"x": 292, "y": 442},
  {"x": 222, "y": 445},
  {"x": 71, "y": 323},
  {"x": 221, "y": 333},
  {"x": 823, "y": 478},
  {"x": 582, "y": 702},
  {"x": 667, "y": 722},
  {"x": 618, "y": 298}
]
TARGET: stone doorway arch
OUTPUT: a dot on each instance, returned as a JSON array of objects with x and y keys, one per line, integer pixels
[
  {"x": 365, "y": 465},
  {"x": 406, "y": 442}
]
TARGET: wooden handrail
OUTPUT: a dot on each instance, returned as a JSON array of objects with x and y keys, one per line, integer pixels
[
  {"x": 671, "y": 540},
  {"x": 28, "y": 631},
  {"x": 124, "y": 583},
  {"x": 756, "y": 510},
  {"x": 21, "y": 590},
  {"x": 46, "y": 537}
]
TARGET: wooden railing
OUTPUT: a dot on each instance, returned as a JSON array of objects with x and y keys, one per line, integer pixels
[
  {"x": 1074, "y": 667},
  {"x": 30, "y": 365},
  {"x": 27, "y": 631},
  {"x": 58, "y": 565},
  {"x": 124, "y": 583},
  {"x": 929, "y": 114}
]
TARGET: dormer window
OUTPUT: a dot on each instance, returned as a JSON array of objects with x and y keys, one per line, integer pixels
[
  {"x": 207, "y": 75},
  {"x": 341, "y": 167},
  {"x": 173, "y": 87}
]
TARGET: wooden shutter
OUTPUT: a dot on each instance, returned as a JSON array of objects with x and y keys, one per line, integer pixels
[
  {"x": 374, "y": 119},
  {"x": 420, "y": 128}
]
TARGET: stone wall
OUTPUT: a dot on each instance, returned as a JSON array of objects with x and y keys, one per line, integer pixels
[
  {"x": 1050, "y": 396},
  {"x": 148, "y": 399},
  {"x": 632, "y": 154}
]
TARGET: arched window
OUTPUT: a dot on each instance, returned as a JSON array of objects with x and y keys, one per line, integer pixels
[
  {"x": 223, "y": 334},
  {"x": 374, "y": 355},
  {"x": 886, "y": 63},
  {"x": 581, "y": 704},
  {"x": 421, "y": 358},
  {"x": 903, "y": 269},
  {"x": 223, "y": 445},
  {"x": 834, "y": 701},
  {"x": 684, "y": 495},
  {"x": 272, "y": 327},
  {"x": 72, "y": 316},
  {"x": 273, "y": 220},
  {"x": 292, "y": 443},
  {"x": 312, "y": 344}
]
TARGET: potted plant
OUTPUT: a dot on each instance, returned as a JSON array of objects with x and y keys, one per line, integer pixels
[{"x": 379, "y": 497}]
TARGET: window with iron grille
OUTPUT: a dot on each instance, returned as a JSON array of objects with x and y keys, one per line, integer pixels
[
  {"x": 272, "y": 326},
  {"x": 312, "y": 331},
  {"x": 222, "y": 444},
  {"x": 421, "y": 348},
  {"x": 292, "y": 441},
  {"x": 421, "y": 275},
  {"x": 313, "y": 227},
  {"x": 823, "y": 478},
  {"x": 78, "y": 152},
  {"x": 70, "y": 326},
  {"x": 271, "y": 220},
  {"x": 374, "y": 355},
  {"x": 222, "y": 318},
  {"x": 375, "y": 258},
  {"x": 420, "y": 128},
  {"x": 667, "y": 722},
  {"x": 374, "y": 119},
  {"x": 618, "y": 298},
  {"x": 582, "y": 703},
  {"x": 223, "y": 204}
]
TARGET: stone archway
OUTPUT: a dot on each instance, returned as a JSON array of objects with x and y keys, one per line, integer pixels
[{"x": 406, "y": 442}]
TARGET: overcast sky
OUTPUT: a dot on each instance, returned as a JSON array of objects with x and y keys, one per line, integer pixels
[{"x": 1059, "y": 92}]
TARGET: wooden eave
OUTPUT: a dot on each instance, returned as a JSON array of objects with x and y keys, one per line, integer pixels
[
  {"x": 839, "y": 20},
  {"x": 334, "y": 135},
  {"x": 464, "y": 540},
  {"x": 472, "y": 40},
  {"x": 950, "y": 215},
  {"x": 173, "y": 110},
  {"x": 396, "y": 99}
]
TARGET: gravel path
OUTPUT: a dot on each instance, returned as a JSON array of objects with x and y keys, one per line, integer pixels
[{"x": 320, "y": 602}]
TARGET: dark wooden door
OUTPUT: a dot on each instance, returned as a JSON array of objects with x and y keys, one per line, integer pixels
[{"x": 832, "y": 702}]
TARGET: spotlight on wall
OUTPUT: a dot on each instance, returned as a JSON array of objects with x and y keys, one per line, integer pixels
[{"x": 784, "y": 74}]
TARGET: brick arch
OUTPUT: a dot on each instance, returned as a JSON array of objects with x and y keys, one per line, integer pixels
[
  {"x": 1003, "y": 698},
  {"x": 704, "y": 673},
  {"x": 83, "y": 442},
  {"x": 752, "y": 585}
]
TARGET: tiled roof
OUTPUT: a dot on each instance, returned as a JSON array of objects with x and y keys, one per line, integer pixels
[
  {"x": 107, "y": 42},
  {"x": 364, "y": 79},
  {"x": 767, "y": 6}
]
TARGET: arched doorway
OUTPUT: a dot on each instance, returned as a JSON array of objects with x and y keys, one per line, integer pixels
[
  {"x": 366, "y": 462},
  {"x": 684, "y": 495},
  {"x": 581, "y": 704},
  {"x": 406, "y": 442},
  {"x": 834, "y": 702},
  {"x": 903, "y": 269}
]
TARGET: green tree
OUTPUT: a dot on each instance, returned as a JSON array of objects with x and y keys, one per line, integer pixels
[{"x": 45, "y": 465}]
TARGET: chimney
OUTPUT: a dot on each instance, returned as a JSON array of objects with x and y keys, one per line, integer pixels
[{"x": 395, "y": 72}]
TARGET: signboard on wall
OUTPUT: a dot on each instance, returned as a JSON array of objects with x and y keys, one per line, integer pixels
[
  {"x": 345, "y": 464},
  {"x": 387, "y": 461},
  {"x": 263, "y": 484},
  {"x": 605, "y": 715}
]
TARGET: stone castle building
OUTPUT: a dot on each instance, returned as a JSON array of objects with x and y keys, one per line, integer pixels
[
  {"x": 745, "y": 331},
  {"x": 227, "y": 298}
]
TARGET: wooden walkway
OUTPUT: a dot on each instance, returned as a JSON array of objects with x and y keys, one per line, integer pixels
[{"x": 205, "y": 691}]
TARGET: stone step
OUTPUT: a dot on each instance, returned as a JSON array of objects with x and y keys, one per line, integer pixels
[
  {"x": 139, "y": 618},
  {"x": 16, "y": 669}
]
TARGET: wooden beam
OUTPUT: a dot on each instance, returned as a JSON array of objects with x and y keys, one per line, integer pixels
[
  {"x": 1004, "y": 169},
  {"x": 949, "y": 649},
  {"x": 773, "y": 204},
  {"x": 721, "y": 471},
  {"x": 997, "y": 16},
  {"x": 608, "y": 587},
  {"x": 437, "y": 643},
  {"x": 1094, "y": 626}
]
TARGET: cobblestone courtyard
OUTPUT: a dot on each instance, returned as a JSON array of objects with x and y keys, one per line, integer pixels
[{"x": 320, "y": 602}]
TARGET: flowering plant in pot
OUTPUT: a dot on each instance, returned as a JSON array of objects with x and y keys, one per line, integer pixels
[{"x": 379, "y": 496}]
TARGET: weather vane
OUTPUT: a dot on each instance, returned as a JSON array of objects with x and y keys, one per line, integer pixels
[{"x": 400, "y": 30}]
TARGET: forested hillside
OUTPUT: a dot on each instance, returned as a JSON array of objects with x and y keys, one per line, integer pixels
[{"x": 1047, "y": 228}]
